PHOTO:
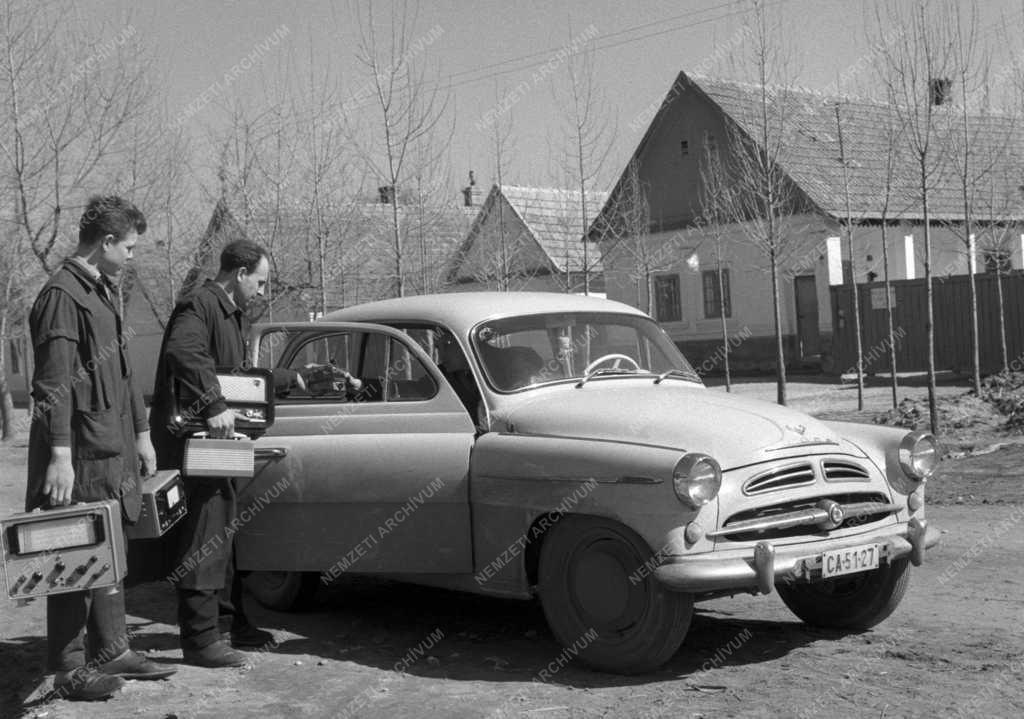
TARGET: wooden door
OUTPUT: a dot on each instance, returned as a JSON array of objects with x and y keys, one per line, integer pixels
[{"x": 808, "y": 336}]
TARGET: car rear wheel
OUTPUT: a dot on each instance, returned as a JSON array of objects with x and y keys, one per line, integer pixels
[
  {"x": 283, "y": 591},
  {"x": 601, "y": 600},
  {"x": 854, "y": 601}
]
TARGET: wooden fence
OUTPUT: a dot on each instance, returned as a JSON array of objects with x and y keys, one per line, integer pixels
[{"x": 952, "y": 313}]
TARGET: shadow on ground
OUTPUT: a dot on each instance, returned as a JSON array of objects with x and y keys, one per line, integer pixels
[{"x": 437, "y": 633}]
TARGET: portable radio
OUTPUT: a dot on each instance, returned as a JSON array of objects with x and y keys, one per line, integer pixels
[
  {"x": 68, "y": 549},
  {"x": 248, "y": 393},
  {"x": 205, "y": 457}
]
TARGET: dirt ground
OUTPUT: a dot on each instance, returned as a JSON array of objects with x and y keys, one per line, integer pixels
[{"x": 955, "y": 647}]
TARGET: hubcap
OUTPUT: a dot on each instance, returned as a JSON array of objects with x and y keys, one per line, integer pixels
[{"x": 600, "y": 586}]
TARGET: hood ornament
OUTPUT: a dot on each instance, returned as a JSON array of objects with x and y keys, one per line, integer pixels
[{"x": 799, "y": 429}]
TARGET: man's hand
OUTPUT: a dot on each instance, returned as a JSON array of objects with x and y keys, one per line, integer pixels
[
  {"x": 60, "y": 477},
  {"x": 354, "y": 383},
  {"x": 147, "y": 455},
  {"x": 222, "y": 426}
]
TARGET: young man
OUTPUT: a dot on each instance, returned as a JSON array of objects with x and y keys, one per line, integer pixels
[
  {"x": 88, "y": 436},
  {"x": 209, "y": 330}
]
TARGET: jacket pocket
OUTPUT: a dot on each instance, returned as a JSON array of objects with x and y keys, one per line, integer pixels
[
  {"x": 97, "y": 434},
  {"x": 98, "y": 479}
]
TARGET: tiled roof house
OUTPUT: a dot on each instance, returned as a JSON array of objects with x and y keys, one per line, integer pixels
[
  {"x": 541, "y": 247},
  {"x": 700, "y": 113}
]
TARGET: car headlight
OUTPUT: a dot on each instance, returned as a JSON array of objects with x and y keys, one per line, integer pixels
[
  {"x": 697, "y": 479},
  {"x": 919, "y": 455}
]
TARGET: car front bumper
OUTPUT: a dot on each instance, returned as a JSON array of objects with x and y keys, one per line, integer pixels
[{"x": 768, "y": 564}]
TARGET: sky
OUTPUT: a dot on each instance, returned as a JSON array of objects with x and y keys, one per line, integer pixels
[{"x": 484, "y": 50}]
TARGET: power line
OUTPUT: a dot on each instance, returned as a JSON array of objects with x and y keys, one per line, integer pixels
[
  {"x": 602, "y": 46},
  {"x": 549, "y": 51}
]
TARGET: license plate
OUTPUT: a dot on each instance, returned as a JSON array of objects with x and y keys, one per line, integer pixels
[{"x": 851, "y": 560}]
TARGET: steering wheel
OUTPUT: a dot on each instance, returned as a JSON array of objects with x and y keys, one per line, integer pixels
[{"x": 613, "y": 356}]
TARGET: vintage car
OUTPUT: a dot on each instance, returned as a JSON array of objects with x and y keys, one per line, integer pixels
[{"x": 559, "y": 446}]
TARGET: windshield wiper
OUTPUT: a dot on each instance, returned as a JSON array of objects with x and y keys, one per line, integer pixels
[
  {"x": 604, "y": 370},
  {"x": 676, "y": 373}
]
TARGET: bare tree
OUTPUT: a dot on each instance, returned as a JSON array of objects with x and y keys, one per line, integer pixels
[
  {"x": 998, "y": 203},
  {"x": 503, "y": 145},
  {"x": 714, "y": 218},
  {"x": 623, "y": 231},
  {"x": 913, "y": 71},
  {"x": 762, "y": 202},
  {"x": 848, "y": 230},
  {"x": 67, "y": 124},
  {"x": 588, "y": 134},
  {"x": 891, "y": 133},
  {"x": 971, "y": 66},
  {"x": 410, "y": 113},
  {"x": 76, "y": 100}
]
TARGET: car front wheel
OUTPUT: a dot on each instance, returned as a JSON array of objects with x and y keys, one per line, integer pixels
[
  {"x": 854, "y": 601},
  {"x": 602, "y": 601},
  {"x": 283, "y": 591}
]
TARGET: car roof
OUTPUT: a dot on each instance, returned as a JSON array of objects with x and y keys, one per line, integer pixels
[{"x": 461, "y": 310}]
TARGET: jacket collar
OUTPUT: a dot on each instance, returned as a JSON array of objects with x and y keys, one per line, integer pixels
[
  {"x": 227, "y": 305},
  {"x": 90, "y": 277}
]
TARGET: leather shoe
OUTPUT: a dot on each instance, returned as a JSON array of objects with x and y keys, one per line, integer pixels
[
  {"x": 132, "y": 665},
  {"x": 249, "y": 636},
  {"x": 218, "y": 654},
  {"x": 86, "y": 684}
]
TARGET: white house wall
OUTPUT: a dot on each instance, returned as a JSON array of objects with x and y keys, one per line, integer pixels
[{"x": 750, "y": 282}]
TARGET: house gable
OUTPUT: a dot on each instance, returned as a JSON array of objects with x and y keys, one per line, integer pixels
[{"x": 488, "y": 254}]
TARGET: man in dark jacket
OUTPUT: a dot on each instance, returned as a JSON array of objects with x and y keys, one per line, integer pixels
[
  {"x": 88, "y": 436},
  {"x": 207, "y": 331}
]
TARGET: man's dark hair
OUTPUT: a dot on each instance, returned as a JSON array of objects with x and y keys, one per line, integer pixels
[
  {"x": 109, "y": 215},
  {"x": 241, "y": 253}
]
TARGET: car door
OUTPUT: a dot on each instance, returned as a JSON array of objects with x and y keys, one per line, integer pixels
[{"x": 371, "y": 478}]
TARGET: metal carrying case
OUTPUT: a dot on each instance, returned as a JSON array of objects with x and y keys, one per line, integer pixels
[
  {"x": 68, "y": 549},
  {"x": 206, "y": 457},
  {"x": 163, "y": 505},
  {"x": 249, "y": 393}
]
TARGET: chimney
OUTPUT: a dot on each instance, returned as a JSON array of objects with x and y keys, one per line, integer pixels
[
  {"x": 469, "y": 193},
  {"x": 386, "y": 193},
  {"x": 940, "y": 90}
]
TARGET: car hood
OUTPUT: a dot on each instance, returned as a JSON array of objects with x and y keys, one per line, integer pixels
[{"x": 734, "y": 430}]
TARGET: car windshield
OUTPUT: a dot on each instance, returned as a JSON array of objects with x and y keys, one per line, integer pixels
[{"x": 520, "y": 352}]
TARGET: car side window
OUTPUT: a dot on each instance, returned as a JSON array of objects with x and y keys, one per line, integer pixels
[{"x": 344, "y": 366}]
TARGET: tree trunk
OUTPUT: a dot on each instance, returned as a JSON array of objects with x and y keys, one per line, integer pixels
[
  {"x": 780, "y": 355},
  {"x": 1002, "y": 318},
  {"x": 856, "y": 318},
  {"x": 725, "y": 328},
  {"x": 975, "y": 340},
  {"x": 648, "y": 276},
  {"x": 930, "y": 321},
  {"x": 888, "y": 313},
  {"x": 399, "y": 270},
  {"x": 6, "y": 401}
]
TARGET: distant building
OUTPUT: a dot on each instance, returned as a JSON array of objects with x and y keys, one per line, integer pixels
[
  {"x": 530, "y": 238},
  {"x": 700, "y": 116}
]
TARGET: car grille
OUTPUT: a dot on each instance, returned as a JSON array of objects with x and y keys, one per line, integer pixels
[
  {"x": 809, "y": 503},
  {"x": 837, "y": 471},
  {"x": 782, "y": 478}
]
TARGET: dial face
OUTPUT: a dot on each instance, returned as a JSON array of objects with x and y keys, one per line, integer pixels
[
  {"x": 50, "y": 535},
  {"x": 173, "y": 497}
]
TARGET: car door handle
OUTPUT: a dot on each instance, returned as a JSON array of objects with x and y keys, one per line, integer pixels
[{"x": 270, "y": 452}]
